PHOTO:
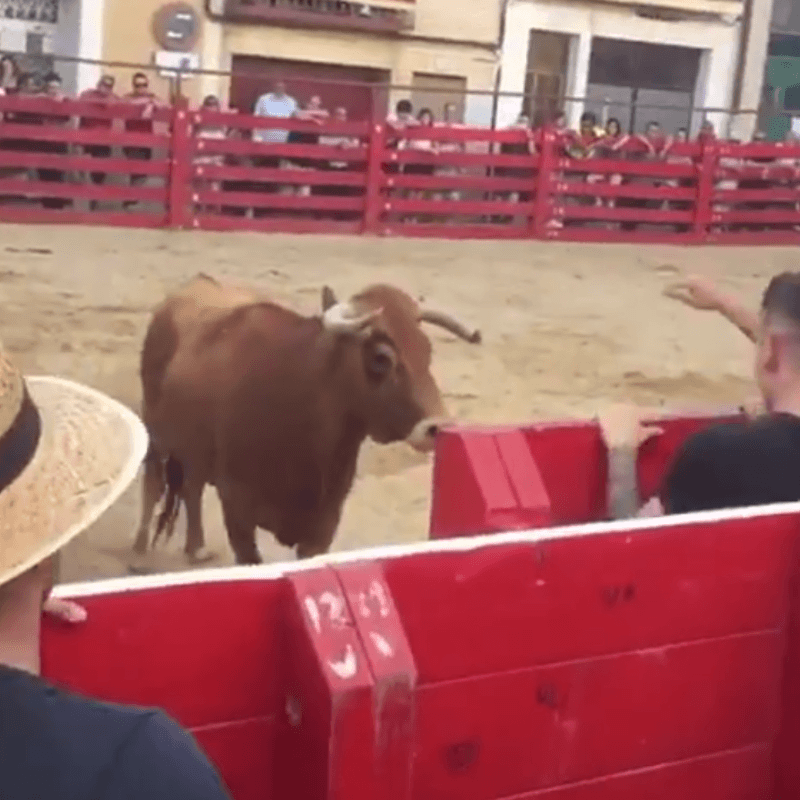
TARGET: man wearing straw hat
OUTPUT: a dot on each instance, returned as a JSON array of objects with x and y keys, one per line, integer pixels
[{"x": 67, "y": 453}]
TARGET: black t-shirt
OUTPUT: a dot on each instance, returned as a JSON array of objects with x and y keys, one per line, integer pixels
[
  {"x": 58, "y": 746},
  {"x": 736, "y": 464}
]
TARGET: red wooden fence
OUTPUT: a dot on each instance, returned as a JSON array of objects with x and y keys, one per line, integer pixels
[{"x": 204, "y": 170}]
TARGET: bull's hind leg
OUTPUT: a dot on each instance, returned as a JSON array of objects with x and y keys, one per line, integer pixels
[
  {"x": 240, "y": 523},
  {"x": 195, "y": 549},
  {"x": 153, "y": 486}
]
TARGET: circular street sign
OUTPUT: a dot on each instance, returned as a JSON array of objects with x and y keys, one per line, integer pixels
[{"x": 176, "y": 26}]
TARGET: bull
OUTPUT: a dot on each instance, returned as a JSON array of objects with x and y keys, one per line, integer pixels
[{"x": 271, "y": 407}]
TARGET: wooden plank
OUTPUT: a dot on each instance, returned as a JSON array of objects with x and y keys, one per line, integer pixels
[
  {"x": 743, "y": 774},
  {"x": 153, "y": 648},
  {"x": 505, "y": 734},
  {"x": 243, "y": 751},
  {"x": 582, "y": 597}
]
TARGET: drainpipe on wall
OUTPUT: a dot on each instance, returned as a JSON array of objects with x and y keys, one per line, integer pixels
[
  {"x": 749, "y": 77},
  {"x": 498, "y": 74},
  {"x": 738, "y": 75}
]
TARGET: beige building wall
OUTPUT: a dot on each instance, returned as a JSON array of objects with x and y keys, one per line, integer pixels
[
  {"x": 400, "y": 57},
  {"x": 128, "y": 37}
]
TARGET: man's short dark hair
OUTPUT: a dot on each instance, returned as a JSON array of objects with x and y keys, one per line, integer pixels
[
  {"x": 588, "y": 117},
  {"x": 782, "y": 296},
  {"x": 404, "y": 107},
  {"x": 52, "y": 77}
]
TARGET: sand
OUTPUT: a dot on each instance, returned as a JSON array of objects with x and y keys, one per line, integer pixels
[{"x": 565, "y": 328}]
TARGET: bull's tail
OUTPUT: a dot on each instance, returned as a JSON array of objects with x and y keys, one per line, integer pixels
[{"x": 173, "y": 472}]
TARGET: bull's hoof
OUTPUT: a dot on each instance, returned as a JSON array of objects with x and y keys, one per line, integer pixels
[
  {"x": 139, "y": 564},
  {"x": 201, "y": 556}
]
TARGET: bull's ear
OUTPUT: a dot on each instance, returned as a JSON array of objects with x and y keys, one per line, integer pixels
[{"x": 328, "y": 298}]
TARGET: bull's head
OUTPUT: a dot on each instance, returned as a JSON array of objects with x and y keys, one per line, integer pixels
[{"x": 401, "y": 398}]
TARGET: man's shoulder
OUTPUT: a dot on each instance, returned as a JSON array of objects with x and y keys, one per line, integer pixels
[{"x": 763, "y": 430}]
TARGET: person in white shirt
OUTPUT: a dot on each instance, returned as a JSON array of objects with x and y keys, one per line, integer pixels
[{"x": 275, "y": 104}]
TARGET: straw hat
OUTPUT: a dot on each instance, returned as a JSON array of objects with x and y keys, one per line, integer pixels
[{"x": 67, "y": 452}]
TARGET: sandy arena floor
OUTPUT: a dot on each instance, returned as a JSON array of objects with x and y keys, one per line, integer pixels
[{"x": 565, "y": 327}]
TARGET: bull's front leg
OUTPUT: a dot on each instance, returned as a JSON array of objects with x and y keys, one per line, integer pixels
[{"x": 316, "y": 536}]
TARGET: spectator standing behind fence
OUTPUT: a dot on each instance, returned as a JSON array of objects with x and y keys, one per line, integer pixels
[
  {"x": 447, "y": 147},
  {"x": 103, "y": 97},
  {"x": 610, "y": 147},
  {"x": 343, "y": 142},
  {"x": 202, "y": 159},
  {"x": 277, "y": 104},
  {"x": 523, "y": 147},
  {"x": 315, "y": 115},
  {"x": 9, "y": 71},
  {"x": 26, "y": 87},
  {"x": 141, "y": 95},
  {"x": 426, "y": 121},
  {"x": 52, "y": 90}
]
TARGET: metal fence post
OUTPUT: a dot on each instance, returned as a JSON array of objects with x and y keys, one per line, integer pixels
[
  {"x": 706, "y": 174},
  {"x": 179, "y": 194},
  {"x": 548, "y": 162},
  {"x": 373, "y": 199}
]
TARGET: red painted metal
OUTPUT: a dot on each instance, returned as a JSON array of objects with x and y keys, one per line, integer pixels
[
  {"x": 180, "y": 179},
  {"x": 587, "y": 665},
  {"x": 557, "y": 452},
  {"x": 369, "y": 186}
]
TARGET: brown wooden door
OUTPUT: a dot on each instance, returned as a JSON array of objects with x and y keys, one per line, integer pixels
[
  {"x": 436, "y": 91},
  {"x": 545, "y": 74},
  {"x": 337, "y": 85}
]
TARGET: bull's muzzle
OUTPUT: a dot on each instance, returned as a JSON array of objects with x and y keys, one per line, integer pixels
[{"x": 423, "y": 437}]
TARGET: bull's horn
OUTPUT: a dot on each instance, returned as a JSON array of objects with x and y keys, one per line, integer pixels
[
  {"x": 450, "y": 324},
  {"x": 328, "y": 298},
  {"x": 342, "y": 318}
]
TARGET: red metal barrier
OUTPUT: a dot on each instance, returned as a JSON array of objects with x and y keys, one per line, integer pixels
[
  {"x": 504, "y": 478},
  {"x": 200, "y": 169},
  {"x": 618, "y": 664}
]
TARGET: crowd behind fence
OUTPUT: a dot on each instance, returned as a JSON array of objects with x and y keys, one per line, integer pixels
[{"x": 134, "y": 159}]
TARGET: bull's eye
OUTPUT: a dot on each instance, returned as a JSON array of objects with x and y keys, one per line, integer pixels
[{"x": 380, "y": 361}]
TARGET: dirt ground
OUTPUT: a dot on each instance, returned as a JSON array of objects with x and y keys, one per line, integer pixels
[{"x": 564, "y": 327}]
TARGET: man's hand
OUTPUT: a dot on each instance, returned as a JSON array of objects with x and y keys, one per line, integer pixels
[
  {"x": 621, "y": 427},
  {"x": 65, "y": 610},
  {"x": 696, "y": 292}
]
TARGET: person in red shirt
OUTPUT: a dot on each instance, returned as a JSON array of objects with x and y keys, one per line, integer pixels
[
  {"x": 102, "y": 96},
  {"x": 140, "y": 95}
]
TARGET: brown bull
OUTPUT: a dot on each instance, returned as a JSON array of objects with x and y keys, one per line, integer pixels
[{"x": 271, "y": 407}]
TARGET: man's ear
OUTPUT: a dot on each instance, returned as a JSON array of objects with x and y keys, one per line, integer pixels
[{"x": 774, "y": 344}]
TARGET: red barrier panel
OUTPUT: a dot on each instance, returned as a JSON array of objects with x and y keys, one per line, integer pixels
[
  {"x": 225, "y": 171},
  {"x": 513, "y": 478},
  {"x": 622, "y": 663}
]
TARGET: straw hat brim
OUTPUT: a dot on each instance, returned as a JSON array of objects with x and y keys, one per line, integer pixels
[{"x": 89, "y": 451}]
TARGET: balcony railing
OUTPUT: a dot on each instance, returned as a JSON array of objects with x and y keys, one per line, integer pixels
[{"x": 386, "y": 16}]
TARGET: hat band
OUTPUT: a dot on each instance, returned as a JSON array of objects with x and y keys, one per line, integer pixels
[{"x": 18, "y": 444}]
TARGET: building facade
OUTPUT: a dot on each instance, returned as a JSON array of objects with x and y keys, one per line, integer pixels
[
  {"x": 659, "y": 60},
  {"x": 431, "y": 51},
  {"x": 38, "y": 31}
]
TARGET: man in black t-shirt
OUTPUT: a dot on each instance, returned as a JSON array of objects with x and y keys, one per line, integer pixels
[
  {"x": 733, "y": 464},
  {"x": 66, "y": 454}
]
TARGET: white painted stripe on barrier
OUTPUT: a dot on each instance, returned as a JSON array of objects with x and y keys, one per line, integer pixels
[{"x": 455, "y": 545}]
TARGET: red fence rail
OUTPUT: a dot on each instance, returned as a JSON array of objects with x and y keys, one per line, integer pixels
[{"x": 122, "y": 164}]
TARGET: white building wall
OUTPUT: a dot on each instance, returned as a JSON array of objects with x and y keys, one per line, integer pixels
[
  {"x": 77, "y": 33},
  {"x": 582, "y": 21}
]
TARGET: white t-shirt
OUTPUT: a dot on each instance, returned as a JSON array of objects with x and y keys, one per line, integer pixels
[{"x": 272, "y": 105}]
